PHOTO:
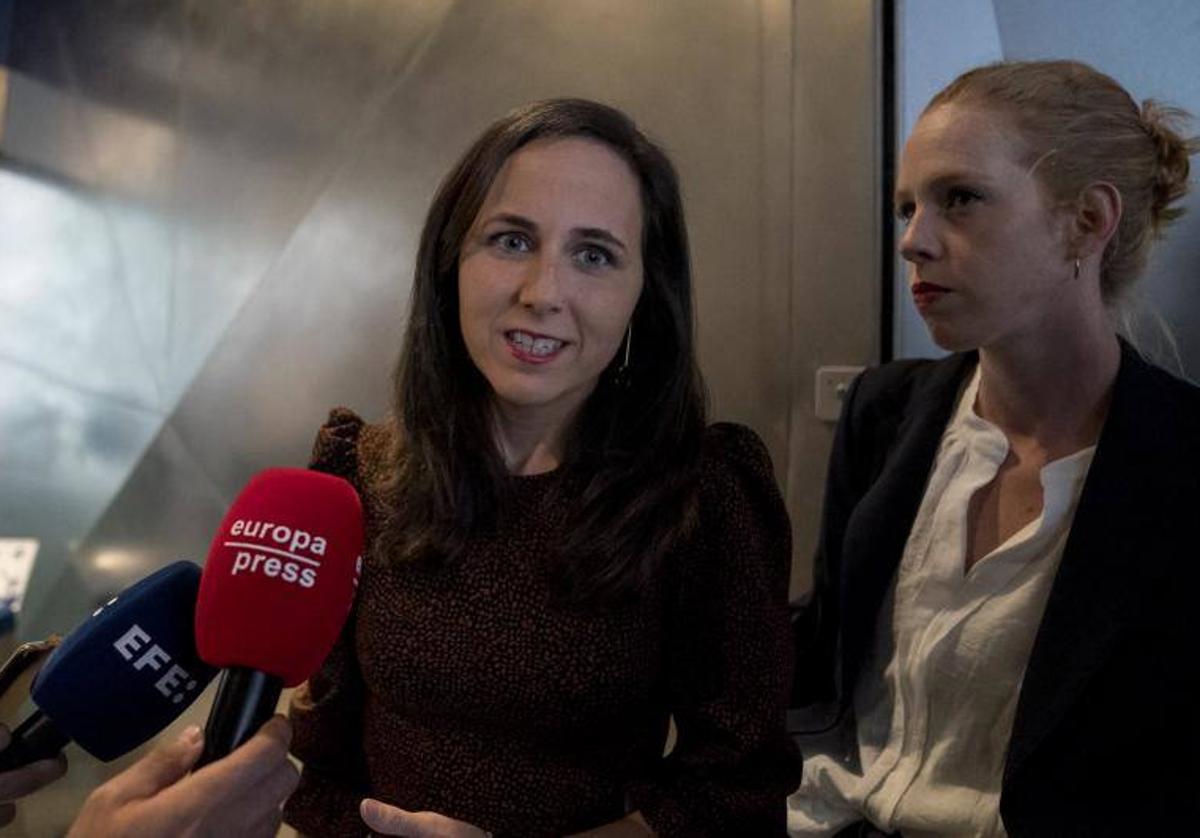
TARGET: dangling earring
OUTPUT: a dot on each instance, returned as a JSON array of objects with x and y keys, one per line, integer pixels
[
  {"x": 623, "y": 377},
  {"x": 1076, "y": 268}
]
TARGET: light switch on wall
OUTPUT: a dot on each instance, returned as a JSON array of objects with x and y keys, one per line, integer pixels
[{"x": 832, "y": 385}]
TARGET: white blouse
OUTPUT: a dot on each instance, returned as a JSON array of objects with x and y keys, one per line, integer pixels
[{"x": 937, "y": 696}]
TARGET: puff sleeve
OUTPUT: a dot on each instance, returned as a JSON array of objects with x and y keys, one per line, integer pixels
[
  {"x": 729, "y": 656},
  {"x": 326, "y": 711}
]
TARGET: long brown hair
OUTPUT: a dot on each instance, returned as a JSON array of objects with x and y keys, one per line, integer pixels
[{"x": 631, "y": 456}]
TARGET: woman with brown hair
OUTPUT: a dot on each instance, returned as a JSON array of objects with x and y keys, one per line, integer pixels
[
  {"x": 562, "y": 556},
  {"x": 1001, "y": 636}
]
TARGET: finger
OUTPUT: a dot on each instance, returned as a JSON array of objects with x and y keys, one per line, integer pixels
[
  {"x": 256, "y": 810},
  {"x": 282, "y": 783},
  {"x": 249, "y": 764},
  {"x": 266, "y": 826},
  {"x": 8, "y": 811},
  {"x": 223, "y": 806},
  {"x": 162, "y": 767},
  {"x": 389, "y": 820},
  {"x": 29, "y": 778},
  {"x": 268, "y": 794}
]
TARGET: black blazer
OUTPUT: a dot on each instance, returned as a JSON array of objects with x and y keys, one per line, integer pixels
[{"x": 1106, "y": 739}]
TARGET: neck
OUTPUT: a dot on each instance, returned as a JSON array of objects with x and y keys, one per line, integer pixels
[
  {"x": 1054, "y": 388},
  {"x": 531, "y": 440}
]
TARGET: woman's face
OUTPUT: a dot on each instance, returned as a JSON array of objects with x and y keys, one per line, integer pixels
[
  {"x": 550, "y": 272},
  {"x": 989, "y": 260}
]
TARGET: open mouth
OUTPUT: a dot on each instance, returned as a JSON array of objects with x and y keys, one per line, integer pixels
[{"x": 532, "y": 345}]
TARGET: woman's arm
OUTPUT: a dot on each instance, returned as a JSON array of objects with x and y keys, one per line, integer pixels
[
  {"x": 632, "y": 825},
  {"x": 384, "y": 819},
  {"x": 326, "y": 715},
  {"x": 326, "y": 711},
  {"x": 728, "y": 654}
]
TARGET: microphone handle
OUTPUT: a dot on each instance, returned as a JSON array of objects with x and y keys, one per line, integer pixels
[
  {"x": 38, "y": 737},
  {"x": 245, "y": 700}
]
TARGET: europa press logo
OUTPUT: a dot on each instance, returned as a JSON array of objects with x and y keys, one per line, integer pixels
[{"x": 277, "y": 551}]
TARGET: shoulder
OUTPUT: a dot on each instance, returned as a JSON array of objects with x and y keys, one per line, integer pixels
[
  {"x": 733, "y": 456},
  {"x": 1140, "y": 378},
  {"x": 919, "y": 394},
  {"x": 897, "y": 386},
  {"x": 729, "y": 446},
  {"x": 741, "y": 541},
  {"x": 349, "y": 447},
  {"x": 738, "y": 490},
  {"x": 1154, "y": 418}
]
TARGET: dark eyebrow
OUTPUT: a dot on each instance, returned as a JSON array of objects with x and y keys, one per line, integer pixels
[
  {"x": 600, "y": 234},
  {"x": 515, "y": 220},
  {"x": 595, "y": 233}
]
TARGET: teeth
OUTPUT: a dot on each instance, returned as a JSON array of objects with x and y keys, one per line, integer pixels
[{"x": 535, "y": 346}]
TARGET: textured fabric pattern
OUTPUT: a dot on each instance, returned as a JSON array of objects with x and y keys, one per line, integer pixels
[{"x": 468, "y": 690}]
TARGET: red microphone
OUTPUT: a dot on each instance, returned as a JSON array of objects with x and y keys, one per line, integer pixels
[{"x": 276, "y": 589}]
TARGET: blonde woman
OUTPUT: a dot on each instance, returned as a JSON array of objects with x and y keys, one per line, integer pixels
[{"x": 1003, "y": 628}]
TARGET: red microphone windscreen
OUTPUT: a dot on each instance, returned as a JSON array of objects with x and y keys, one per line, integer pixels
[{"x": 281, "y": 574}]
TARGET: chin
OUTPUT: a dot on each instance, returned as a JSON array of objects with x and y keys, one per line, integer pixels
[
  {"x": 952, "y": 345},
  {"x": 966, "y": 329},
  {"x": 522, "y": 396},
  {"x": 517, "y": 396},
  {"x": 951, "y": 339}
]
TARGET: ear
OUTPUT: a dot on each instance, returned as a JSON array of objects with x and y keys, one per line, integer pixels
[{"x": 1097, "y": 213}]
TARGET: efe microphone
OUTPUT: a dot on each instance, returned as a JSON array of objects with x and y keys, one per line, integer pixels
[
  {"x": 122, "y": 676},
  {"x": 276, "y": 589}
]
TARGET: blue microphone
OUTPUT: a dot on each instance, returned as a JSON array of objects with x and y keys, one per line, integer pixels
[{"x": 125, "y": 674}]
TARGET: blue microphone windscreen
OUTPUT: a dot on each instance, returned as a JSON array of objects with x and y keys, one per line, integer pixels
[{"x": 130, "y": 669}]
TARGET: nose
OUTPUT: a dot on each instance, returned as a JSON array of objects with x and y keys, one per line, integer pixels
[
  {"x": 541, "y": 289},
  {"x": 919, "y": 243}
]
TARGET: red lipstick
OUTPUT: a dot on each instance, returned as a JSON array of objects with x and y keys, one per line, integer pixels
[{"x": 928, "y": 293}]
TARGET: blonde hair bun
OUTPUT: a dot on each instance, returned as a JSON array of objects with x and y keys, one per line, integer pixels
[{"x": 1163, "y": 124}]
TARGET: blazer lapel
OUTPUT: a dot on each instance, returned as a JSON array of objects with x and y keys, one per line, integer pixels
[
  {"x": 878, "y": 529},
  {"x": 1109, "y": 560}
]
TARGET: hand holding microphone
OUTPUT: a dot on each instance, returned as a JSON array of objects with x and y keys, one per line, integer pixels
[
  {"x": 277, "y": 587},
  {"x": 122, "y": 676},
  {"x": 126, "y": 673},
  {"x": 18, "y": 782},
  {"x": 156, "y": 798}
]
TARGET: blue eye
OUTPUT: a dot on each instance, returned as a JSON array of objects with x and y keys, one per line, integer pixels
[
  {"x": 593, "y": 257},
  {"x": 511, "y": 242},
  {"x": 904, "y": 212}
]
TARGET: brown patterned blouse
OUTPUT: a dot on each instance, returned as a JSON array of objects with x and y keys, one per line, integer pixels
[{"x": 468, "y": 690}]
